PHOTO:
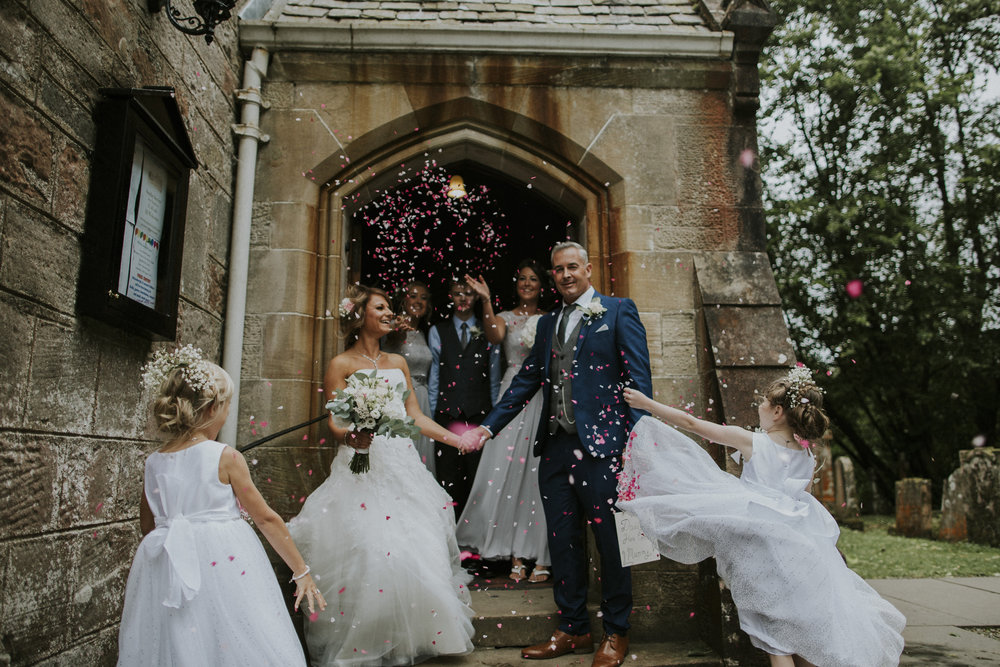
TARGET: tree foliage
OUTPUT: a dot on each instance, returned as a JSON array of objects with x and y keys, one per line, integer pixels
[{"x": 881, "y": 155}]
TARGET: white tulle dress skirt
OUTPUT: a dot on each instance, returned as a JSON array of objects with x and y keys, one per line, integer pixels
[
  {"x": 382, "y": 550},
  {"x": 774, "y": 547},
  {"x": 237, "y": 618}
]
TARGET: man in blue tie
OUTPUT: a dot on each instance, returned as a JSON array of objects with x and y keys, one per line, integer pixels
[
  {"x": 584, "y": 354},
  {"x": 462, "y": 384}
]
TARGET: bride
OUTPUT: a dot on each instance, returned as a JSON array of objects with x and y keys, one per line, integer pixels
[{"x": 382, "y": 543}]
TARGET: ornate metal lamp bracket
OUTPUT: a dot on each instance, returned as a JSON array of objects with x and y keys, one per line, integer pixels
[{"x": 208, "y": 14}]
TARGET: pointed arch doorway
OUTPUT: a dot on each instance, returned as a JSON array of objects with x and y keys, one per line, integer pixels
[{"x": 530, "y": 197}]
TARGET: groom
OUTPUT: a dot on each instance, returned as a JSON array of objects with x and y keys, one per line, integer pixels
[{"x": 583, "y": 356}]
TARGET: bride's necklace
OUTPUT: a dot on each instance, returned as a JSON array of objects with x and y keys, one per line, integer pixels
[{"x": 374, "y": 361}]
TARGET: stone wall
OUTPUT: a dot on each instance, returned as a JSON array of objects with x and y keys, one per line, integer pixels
[{"x": 72, "y": 426}]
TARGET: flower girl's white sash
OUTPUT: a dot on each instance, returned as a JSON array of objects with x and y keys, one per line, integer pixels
[{"x": 175, "y": 536}]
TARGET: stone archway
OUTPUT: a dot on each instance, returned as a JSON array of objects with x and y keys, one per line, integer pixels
[{"x": 466, "y": 131}]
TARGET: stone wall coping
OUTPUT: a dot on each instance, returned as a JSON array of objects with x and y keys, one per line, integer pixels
[{"x": 599, "y": 42}]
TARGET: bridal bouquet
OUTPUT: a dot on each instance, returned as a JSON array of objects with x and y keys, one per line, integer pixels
[{"x": 368, "y": 403}]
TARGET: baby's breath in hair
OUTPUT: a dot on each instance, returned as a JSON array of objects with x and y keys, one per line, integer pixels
[
  {"x": 798, "y": 378},
  {"x": 195, "y": 369}
]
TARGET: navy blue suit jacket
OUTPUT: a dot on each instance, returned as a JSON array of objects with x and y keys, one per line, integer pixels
[{"x": 611, "y": 353}]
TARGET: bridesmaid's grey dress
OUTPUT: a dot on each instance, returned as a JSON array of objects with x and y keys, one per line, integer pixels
[{"x": 418, "y": 357}]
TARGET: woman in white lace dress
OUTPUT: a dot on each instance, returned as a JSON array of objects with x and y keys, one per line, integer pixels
[
  {"x": 503, "y": 517},
  {"x": 382, "y": 543},
  {"x": 775, "y": 545}
]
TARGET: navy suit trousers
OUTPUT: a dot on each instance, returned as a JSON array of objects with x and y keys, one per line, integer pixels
[{"x": 578, "y": 489}]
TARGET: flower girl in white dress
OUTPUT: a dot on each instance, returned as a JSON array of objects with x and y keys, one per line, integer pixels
[
  {"x": 381, "y": 542},
  {"x": 201, "y": 590},
  {"x": 775, "y": 545}
]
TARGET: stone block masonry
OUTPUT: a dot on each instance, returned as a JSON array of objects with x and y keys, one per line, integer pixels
[{"x": 73, "y": 433}]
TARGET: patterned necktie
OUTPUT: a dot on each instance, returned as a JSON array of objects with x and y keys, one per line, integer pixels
[
  {"x": 561, "y": 330},
  {"x": 465, "y": 334}
]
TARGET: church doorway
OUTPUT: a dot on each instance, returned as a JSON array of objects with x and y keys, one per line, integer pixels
[{"x": 413, "y": 230}]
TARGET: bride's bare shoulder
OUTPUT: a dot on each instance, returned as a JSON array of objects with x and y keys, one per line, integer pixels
[
  {"x": 392, "y": 360},
  {"x": 341, "y": 364}
]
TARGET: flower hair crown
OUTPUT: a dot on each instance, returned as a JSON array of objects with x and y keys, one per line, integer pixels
[
  {"x": 194, "y": 367},
  {"x": 799, "y": 378}
]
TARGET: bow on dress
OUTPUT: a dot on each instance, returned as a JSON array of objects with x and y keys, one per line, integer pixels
[{"x": 174, "y": 535}]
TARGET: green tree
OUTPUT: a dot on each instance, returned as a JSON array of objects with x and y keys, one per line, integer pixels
[{"x": 880, "y": 151}]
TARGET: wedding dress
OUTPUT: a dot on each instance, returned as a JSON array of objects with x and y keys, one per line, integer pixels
[{"x": 382, "y": 549}]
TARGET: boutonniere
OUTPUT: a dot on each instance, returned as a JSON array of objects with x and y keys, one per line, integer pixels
[
  {"x": 475, "y": 332},
  {"x": 594, "y": 309}
]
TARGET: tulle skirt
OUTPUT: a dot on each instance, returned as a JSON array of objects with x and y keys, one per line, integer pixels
[
  {"x": 777, "y": 554},
  {"x": 382, "y": 549},
  {"x": 237, "y": 618}
]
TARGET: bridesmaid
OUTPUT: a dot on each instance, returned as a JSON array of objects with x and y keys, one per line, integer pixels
[
  {"x": 410, "y": 340},
  {"x": 503, "y": 517}
]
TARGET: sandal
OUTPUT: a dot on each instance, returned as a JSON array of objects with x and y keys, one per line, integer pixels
[
  {"x": 539, "y": 572},
  {"x": 517, "y": 572}
]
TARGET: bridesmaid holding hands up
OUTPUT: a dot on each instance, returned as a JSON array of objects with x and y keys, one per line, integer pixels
[{"x": 504, "y": 517}]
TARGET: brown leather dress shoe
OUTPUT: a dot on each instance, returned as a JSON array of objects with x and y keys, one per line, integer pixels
[
  {"x": 559, "y": 644},
  {"x": 611, "y": 652}
]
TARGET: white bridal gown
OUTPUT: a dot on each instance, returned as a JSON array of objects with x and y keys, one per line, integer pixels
[
  {"x": 201, "y": 590},
  {"x": 382, "y": 549},
  {"x": 775, "y": 545}
]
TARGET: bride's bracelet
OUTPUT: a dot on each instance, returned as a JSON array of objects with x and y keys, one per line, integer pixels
[{"x": 296, "y": 577}]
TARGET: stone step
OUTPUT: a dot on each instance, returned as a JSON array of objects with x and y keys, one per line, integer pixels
[
  {"x": 525, "y": 616},
  {"x": 689, "y": 653}
]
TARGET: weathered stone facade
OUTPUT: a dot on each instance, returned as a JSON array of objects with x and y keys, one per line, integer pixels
[{"x": 72, "y": 428}]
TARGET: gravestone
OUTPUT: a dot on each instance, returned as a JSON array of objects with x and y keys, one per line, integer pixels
[
  {"x": 970, "y": 506},
  {"x": 913, "y": 507}
]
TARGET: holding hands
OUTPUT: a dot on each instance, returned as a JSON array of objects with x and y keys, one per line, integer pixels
[{"x": 473, "y": 439}]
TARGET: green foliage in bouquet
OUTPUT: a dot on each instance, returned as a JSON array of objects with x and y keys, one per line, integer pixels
[{"x": 369, "y": 403}]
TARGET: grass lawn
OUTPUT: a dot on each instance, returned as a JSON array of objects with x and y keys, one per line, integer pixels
[{"x": 875, "y": 554}]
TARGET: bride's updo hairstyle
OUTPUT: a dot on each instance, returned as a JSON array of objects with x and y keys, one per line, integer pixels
[
  {"x": 352, "y": 310},
  {"x": 186, "y": 387},
  {"x": 802, "y": 400}
]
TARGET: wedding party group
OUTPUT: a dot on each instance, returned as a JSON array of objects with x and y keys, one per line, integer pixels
[{"x": 506, "y": 435}]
